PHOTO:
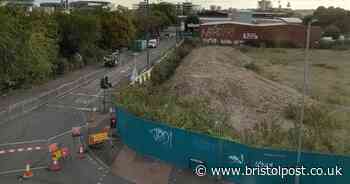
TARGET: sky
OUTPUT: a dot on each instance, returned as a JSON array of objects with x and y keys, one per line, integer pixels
[{"x": 242, "y": 4}]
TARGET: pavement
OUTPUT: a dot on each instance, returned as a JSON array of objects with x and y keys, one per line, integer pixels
[{"x": 26, "y": 138}]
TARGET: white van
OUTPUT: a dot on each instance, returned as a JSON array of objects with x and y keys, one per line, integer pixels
[{"x": 153, "y": 43}]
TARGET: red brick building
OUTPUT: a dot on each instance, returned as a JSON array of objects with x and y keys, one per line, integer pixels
[{"x": 276, "y": 34}]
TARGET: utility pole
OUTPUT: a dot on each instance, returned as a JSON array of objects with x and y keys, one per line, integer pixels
[
  {"x": 305, "y": 86},
  {"x": 148, "y": 9}
]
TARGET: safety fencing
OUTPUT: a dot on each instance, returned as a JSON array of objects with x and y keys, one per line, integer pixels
[{"x": 186, "y": 149}]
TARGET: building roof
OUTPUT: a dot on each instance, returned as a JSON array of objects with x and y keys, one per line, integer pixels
[
  {"x": 215, "y": 19},
  {"x": 292, "y": 20},
  {"x": 241, "y": 23},
  {"x": 51, "y": 4}
]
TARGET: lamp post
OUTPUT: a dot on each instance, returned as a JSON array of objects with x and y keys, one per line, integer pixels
[
  {"x": 147, "y": 33},
  {"x": 305, "y": 85}
]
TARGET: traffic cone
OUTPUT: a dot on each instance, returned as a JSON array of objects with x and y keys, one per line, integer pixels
[
  {"x": 28, "y": 173},
  {"x": 81, "y": 152},
  {"x": 55, "y": 166}
]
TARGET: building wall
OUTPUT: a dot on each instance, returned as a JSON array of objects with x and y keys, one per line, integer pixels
[{"x": 295, "y": 35}]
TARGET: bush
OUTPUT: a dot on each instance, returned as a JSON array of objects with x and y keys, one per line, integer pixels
[
  {"x": 319, "y": 126},
  {"x": 253, "y": 67},
  {"x": 164, "y": 70}
]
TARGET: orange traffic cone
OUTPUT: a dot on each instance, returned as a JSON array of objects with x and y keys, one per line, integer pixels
[
  {"x": 81, "y": 152},
  {"x": 54, "y": 166},
  {"x": 28, "y": 173}
]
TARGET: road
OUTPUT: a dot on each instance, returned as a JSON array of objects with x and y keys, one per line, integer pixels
[{"x": 24, "y": 138}]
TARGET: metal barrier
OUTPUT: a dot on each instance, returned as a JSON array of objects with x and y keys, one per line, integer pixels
[{"x": 180, "y": 147}]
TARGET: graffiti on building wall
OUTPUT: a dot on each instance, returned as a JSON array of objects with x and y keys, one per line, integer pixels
[{"x": 250, "y": 36}]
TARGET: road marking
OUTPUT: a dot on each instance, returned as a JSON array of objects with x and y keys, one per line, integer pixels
[
  {"x": 70, "y": 107},
  {"x": 20, "y": 149},
  {"x": 21, "y": 170},
  {"x": 29, "y": 149},
  {"x": 24, "y": 142},
  {"x": 11, "y": 150},
  {"x": 86, "y": 95},
  {"x": 37, "y": 148},
  {"x": 2, "y": 152}
]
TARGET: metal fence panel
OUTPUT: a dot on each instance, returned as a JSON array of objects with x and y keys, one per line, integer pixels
[{"x": 178, "y": 147}]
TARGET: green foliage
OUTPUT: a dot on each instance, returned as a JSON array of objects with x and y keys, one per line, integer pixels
[
  {"x": 191, "y": 114},
  {"x": 164, "y": 70},
  {"x": 36, "y": 46},
  {"x": 160, "y": 16},
  {"x": 253, "y": 67},
  {"x": 27, "y": 48},
  {"x": 75, "y": 31},
  {"x": 319, "y": 126},
  {"x": 333, "y": 16},
  {"x": 118, "y": 29},
  {"x": 332, "y": 31}
]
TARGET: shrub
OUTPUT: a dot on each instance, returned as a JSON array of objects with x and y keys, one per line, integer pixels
[
  {"x": 253, "y": 67},
  {"x": 164, "y": 70},
  {"x": 244, "y": 49}
]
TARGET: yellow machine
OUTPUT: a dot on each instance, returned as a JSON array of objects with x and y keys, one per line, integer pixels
[{"x": 98, "y": 138}]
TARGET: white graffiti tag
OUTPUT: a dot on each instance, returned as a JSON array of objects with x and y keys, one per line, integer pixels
[{"x": 160, "y": 135}]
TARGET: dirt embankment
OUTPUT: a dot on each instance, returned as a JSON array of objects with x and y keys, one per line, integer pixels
[{"x": 217, "y": 74}]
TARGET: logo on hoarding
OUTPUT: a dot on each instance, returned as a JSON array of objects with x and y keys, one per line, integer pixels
[
  {"x": 160, "y": 135},
  {"x": 236, "y": 159},
  {"x": 250, "y": 36}
]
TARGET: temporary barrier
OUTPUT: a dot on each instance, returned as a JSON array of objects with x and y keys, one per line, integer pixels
[
  {"x": 81, "y": 152},
  {"x": 28, "y": 173},
  {"x": 55, "y": 166},
  {"x": 185, "y": 149},
  {"x": 143, "y": 77}
]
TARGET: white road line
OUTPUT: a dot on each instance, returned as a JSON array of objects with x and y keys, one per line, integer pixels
[
  {"x": 20, "y": 149},
  {"x": 70, "y": 107},
  {"x": 21, "y": 170},
  {"x": 2, "y": 152},
  {"x": 60, "y": 135},
  {"x": 86, "y": 95},
  {"x": 37, "y": 148},
  {"x": 29, "y": 149},
  {"x": 24, "y": 142},
  {"x": 11, "y": 150}
]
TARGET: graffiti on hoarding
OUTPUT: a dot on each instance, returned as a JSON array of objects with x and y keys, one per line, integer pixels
[{"x": 250, "y": 36}]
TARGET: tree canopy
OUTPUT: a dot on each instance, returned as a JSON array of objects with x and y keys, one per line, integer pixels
[{"x": 332, "y": 20}]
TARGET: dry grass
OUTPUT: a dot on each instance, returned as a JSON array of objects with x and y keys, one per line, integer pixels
[
  {"x": 329, "y": 83},
  {"x": 330, "y": 71}
]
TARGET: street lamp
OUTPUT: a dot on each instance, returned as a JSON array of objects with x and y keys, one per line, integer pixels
[
  {"x": 147, "y": 33},
  {"x": 305, "y": 84}
]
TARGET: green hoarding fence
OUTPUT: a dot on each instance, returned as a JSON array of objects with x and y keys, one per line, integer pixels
[{"x": 185, "y": 149}]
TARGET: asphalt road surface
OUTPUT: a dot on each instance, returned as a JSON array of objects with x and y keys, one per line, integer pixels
[{"x": 25, "y": 138}]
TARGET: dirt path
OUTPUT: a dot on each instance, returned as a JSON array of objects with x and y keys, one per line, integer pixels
[{"x": 217, "y": 73}]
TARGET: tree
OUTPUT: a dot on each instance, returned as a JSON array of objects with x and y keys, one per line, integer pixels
[
  {"x": 333, "y": 16},
  {"x": 117, "y": 29},
  {"x": 332, "y": 31},
  {"x": 27, "y": 48},
  {"x": 191, "y": 19},
  {"x": 76, "y": 32}
]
